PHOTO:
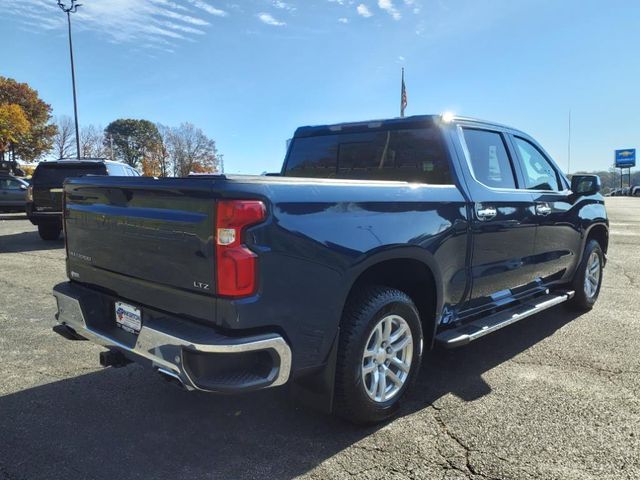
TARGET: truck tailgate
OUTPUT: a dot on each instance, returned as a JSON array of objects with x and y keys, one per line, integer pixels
[{"x": 159, "y": 231}]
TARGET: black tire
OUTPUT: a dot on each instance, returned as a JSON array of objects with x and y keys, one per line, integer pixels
[
  {"x": 362, "y": 314},
  {"x": 49, "y": 232},
  {"x": 582, "y": 299}
]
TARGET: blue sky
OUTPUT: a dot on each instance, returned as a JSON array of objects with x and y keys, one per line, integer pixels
[{"x": 248, "y": 72}]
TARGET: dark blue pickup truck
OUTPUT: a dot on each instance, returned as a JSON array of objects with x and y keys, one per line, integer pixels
[{"x": 377, "y": 240}]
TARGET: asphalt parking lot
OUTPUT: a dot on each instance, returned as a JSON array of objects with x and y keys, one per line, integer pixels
[{"x": 556, "y": 396}]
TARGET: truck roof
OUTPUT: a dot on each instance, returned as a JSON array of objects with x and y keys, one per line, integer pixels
[
  {"x": 75, "y": 161},
  {"x": 415, "y": 121}
]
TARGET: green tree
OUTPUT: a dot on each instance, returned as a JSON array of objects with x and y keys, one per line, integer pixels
[
  {"x": 133, "y": 140},
  {"x": 39, "y": 138}
]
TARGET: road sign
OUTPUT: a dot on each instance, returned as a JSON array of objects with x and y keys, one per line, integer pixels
[{"x": 626, "y": 158}]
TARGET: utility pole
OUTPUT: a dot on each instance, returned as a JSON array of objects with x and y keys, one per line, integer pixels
[
  {"x": 569, "y": 147},
  {"x": 72, "y": 8}
]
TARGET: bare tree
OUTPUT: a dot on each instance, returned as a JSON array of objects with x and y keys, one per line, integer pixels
[
  {"x": 191, "y": 150},
  {"x": 161, "y": 156},
  {"x": 64, "y": 140},
  {"x": 92, "y": 143}
]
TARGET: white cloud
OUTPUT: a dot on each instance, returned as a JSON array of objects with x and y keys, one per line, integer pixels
[
  {"x": 343, "y": 20},
  {"x": 269, "y": 20},
  {"x": 339, "y": 2},
  {"x": 283, "y": 5},
  {"x": 145, "y": 23},
  {"x": 363, "y": 10},
  {"x": 210, "y": 9},
  {"x": 390, "y": 8}
]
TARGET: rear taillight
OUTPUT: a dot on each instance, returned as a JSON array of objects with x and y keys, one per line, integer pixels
[
  {"x": 30, "y": 193},
  {"x": 237, "y": 266}
]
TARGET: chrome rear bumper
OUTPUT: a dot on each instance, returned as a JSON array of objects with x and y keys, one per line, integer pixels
[{"x": 185, "y": 353}]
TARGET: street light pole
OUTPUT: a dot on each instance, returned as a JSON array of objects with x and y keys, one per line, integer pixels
[{"x": 72, "y": 8}]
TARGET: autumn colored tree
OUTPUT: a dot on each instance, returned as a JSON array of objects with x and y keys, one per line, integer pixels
[
  {"x": 14, "y": 125},
  {"x": 39, "y": 137},
  {"x": 192, "y": 151},
  {"x": 133, "y": 140}
]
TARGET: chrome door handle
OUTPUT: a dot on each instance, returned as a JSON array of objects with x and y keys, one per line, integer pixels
[
  {"x": 486, "y": 213},
  {"x": 543, "y": 209}
]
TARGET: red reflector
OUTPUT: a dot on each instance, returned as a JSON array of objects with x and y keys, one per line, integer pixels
[{"x": 236, "y": 268}]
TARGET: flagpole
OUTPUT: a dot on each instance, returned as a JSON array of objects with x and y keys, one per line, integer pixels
[{"x": 402, "y": 95}]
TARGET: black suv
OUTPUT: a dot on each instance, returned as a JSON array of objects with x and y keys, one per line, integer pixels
[{"x": 44, "y": 197}]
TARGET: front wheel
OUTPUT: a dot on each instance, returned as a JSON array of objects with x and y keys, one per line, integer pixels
[
  {"x": 588, "y": 277},
  {"x": 379, "y": 354},
  {"x": 49, "y": 232}
]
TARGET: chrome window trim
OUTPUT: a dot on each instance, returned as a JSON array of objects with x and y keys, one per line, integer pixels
[
  {"x": 554, "y": 167},
  {"x": 467, "y": 156}
]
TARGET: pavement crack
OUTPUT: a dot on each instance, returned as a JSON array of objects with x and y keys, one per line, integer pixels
[
  {"x": 469, "y": 470},
  {"x": 629, "y": 277}
]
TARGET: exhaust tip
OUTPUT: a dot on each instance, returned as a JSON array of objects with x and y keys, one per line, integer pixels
[
  {"x": 67, "y": 332},
  {"x": 172, "y": 378}
]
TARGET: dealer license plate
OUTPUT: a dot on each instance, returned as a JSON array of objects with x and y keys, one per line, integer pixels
[{"x": 128, "y": 317}]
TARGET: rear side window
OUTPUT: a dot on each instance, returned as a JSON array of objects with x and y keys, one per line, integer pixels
[
  {"x": 538, "y": 172},
  {"x": 415, "y": 155},
  {"x": 117, "y": 170},
  {"x": 489, "y": 159},
  {"x": 56, "y": 174}
]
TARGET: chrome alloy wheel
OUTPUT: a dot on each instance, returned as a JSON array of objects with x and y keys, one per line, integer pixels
[
  {"x": 387, "y": 356},
  {"x": 592, "y": 275}
]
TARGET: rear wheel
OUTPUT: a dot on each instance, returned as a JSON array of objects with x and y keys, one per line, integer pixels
[
  {"x": 49, "y": 232},
  {"x": 588, "y": 278},
  {"x": 379, "y": 354}
]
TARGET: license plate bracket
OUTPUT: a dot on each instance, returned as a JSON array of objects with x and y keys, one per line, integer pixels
[{"x": 128, "y": 317}]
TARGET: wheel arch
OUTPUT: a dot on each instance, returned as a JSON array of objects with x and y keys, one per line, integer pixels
[
  {"x": 413, "y": 272},
  {"x": 600, "y": 233}
]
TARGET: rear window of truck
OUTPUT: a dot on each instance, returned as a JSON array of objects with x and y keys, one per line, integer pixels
[
  {"x": 415, "y": 155},
  {"x": 56, "y": 174}
]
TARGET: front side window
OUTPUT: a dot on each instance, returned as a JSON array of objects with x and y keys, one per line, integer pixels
[
  {"x": 538, "y": 172},
  {"x": 489, "y": 159},
  {"x": 9, "y": 184},
  {"x": 411, "y": 155}
]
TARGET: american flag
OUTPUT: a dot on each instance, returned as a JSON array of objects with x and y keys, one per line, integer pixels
[{"x": 403, "y": 96}]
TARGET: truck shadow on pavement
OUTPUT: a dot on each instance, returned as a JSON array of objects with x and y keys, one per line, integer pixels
[
  {"x": 27, "y": 242},
  {"x": 125, "y": 423}
]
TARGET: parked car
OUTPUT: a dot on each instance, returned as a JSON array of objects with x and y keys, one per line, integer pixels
[
  {"x": 378, "y": 240},
  {"x": 44, "y": 197},
  {"x": 13, "y": 193},
  {"x": 635, "y": 191}
]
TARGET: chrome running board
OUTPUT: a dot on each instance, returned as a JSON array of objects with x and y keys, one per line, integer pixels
[{"x": 457, "y": 337}]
